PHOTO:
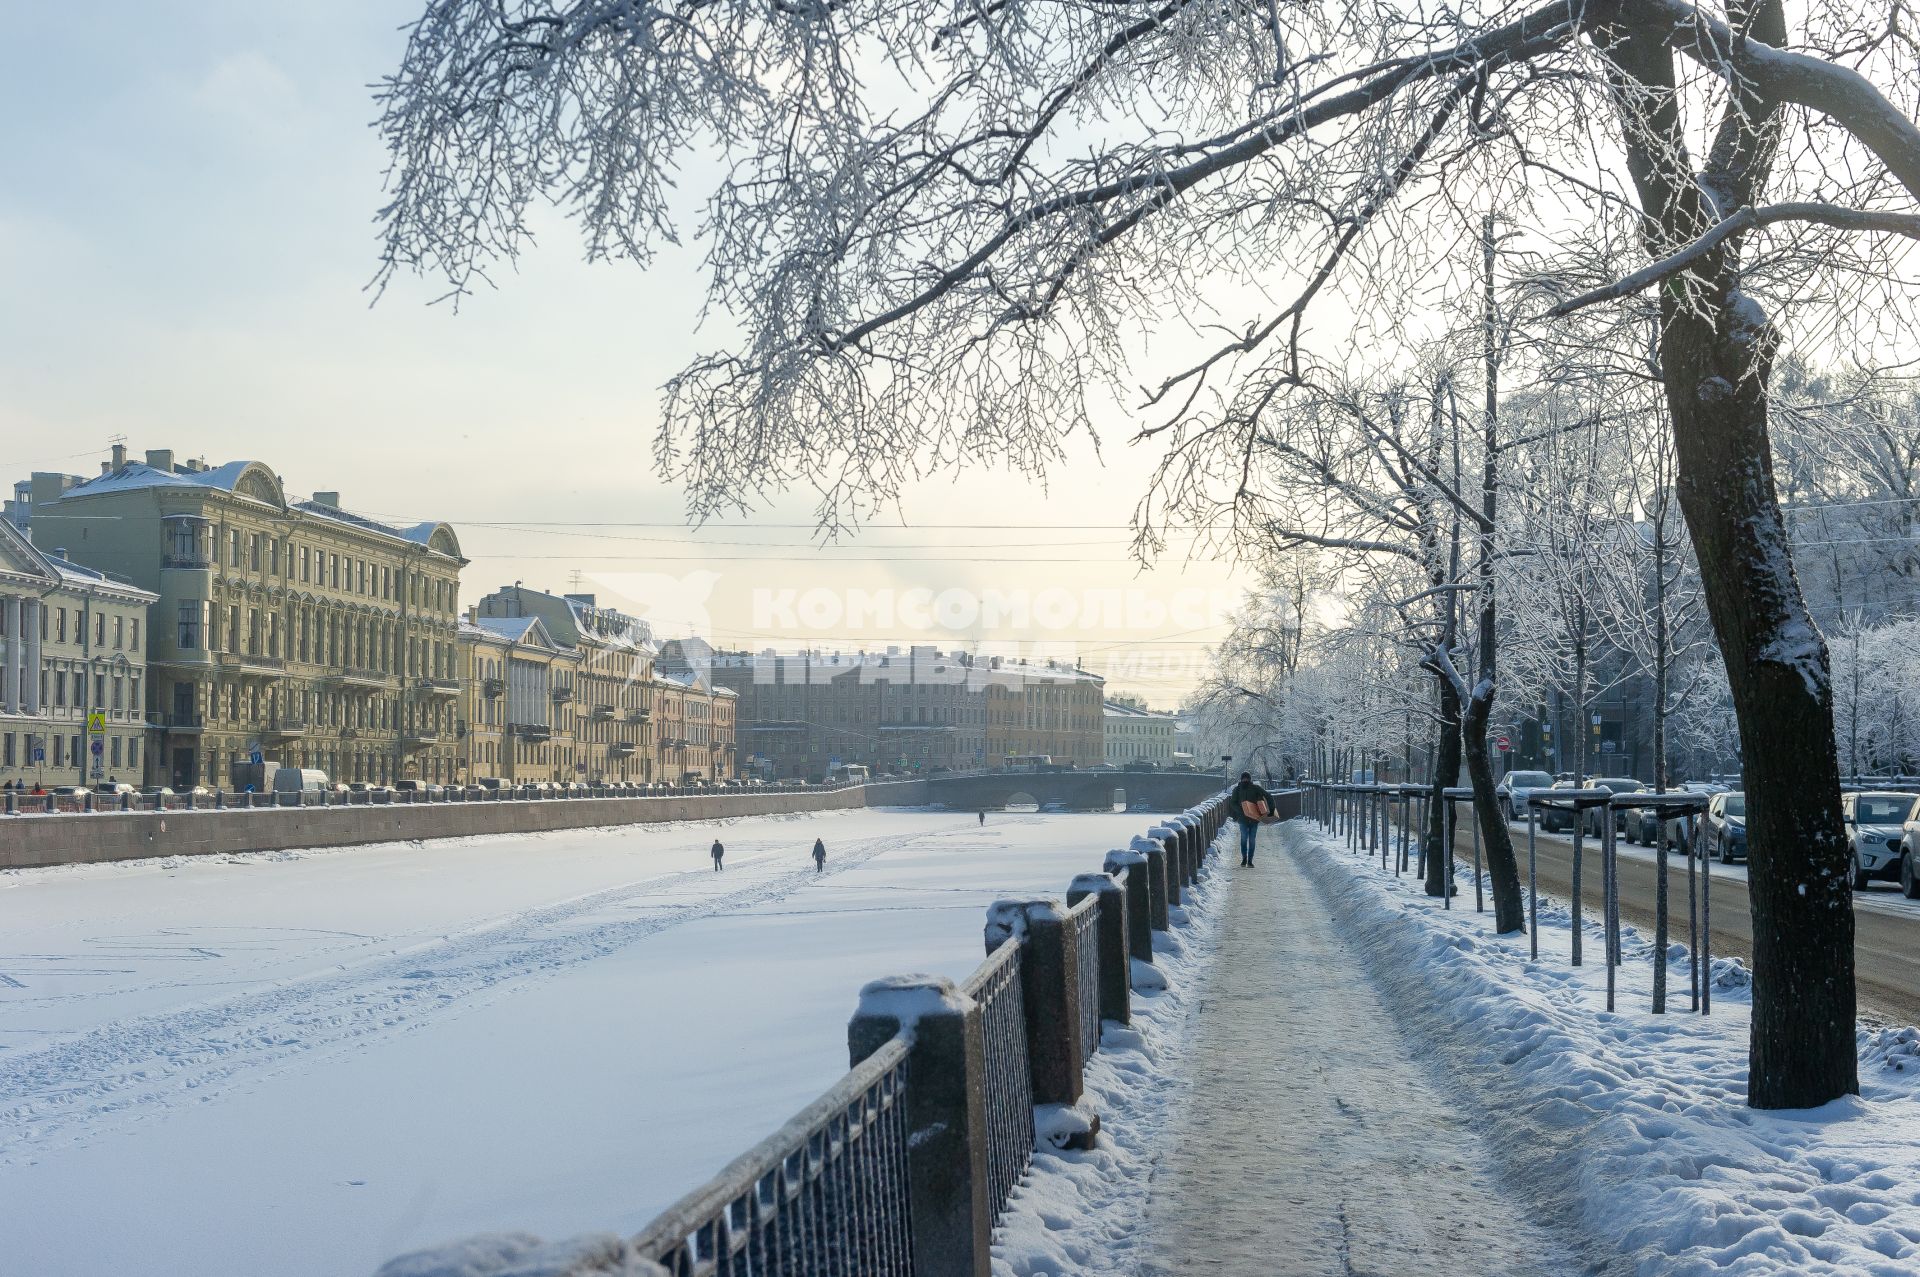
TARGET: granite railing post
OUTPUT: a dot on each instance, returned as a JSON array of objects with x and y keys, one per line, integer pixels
[
  {"x": 1178, "y": 868},
  {"x": 946, "y": 1116},
  {"x": 1131, "y": 868},
  {"x": 1162, "y": 887},
  {"x": 1050, "y": 991},
  {"x": 1116, "y": 977}
]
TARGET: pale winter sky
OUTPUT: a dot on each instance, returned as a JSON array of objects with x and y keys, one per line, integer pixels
[{"x": 185, "y": 236}]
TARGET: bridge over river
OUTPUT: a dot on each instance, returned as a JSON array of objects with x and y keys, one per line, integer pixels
[{"x": 1074, "y": 790}]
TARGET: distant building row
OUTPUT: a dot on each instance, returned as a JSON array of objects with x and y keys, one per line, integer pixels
[
  {"x": 194, "y": 620},
  {"x": 921, "y": 709}
]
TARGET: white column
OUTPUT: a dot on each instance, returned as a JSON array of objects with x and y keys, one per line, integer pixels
[
  {"x": 16, "y": 650},
  {"x": 31, "y": 611}
]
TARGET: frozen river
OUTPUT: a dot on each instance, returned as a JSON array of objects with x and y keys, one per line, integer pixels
[{"x": 303, "y": 1063}]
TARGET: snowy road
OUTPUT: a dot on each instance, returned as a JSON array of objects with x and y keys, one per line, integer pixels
[{"x": 307, "y": 1062}]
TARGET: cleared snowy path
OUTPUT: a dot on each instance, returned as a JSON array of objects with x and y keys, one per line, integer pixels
[{"x": 1312, "y": 1144}]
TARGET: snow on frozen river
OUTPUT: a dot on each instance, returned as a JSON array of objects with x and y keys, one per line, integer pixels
[{"x": 307, "y": 1062}]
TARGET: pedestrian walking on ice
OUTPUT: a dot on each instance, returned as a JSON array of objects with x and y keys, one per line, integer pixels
[
  {"x": 718, "y": 852},
  {"x": 819, "y": 856},
  {"x": 983, "y": 815},
  {"x": 1251, "y": 805}
]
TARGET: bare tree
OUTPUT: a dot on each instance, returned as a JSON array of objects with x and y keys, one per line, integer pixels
[{"x": 944, "y": 227}]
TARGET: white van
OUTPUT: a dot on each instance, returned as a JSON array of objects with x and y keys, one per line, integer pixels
[{"x": 299, "y": 786}]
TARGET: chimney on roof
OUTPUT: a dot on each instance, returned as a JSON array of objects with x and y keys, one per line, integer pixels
[
  {"x": 327, "y": 498},
  {"x": 161, "y": 459},
  {"x": 60, "y": 552},
  {"x": 106, "y": 467},
  {"x": 119, "y": 455}
]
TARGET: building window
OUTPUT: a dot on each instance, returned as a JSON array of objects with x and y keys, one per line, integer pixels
[
  {"x": 100, "y": 629},
  {"x": 133, "y": 751},
  {"x": 113, "y": 752},
  {"x": 253, "y": 552},
  {"x": 233, "y": 547},
  {"x": 189, "y": 637},
  {"x": 119, "y": 631}
]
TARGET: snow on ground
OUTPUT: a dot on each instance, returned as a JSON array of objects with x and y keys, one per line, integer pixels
[
  {"x": 1080, "y": 1212},
  {"x": 1636, "y": 1125},
  {"x": 308, "y": 1062}
]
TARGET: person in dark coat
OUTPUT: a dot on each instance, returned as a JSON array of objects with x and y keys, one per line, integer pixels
[
  {"x": 819, "y": 856},
  {"x": 718, "y": 852},
  {"x": 983, "y": 815},
  {"x": 1246, "y": 792}
]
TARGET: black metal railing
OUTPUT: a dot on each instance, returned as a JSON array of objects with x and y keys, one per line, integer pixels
[
  {"x": 826, "y": 1193},
  {"x": 1083, "y": 931},
  {"x": 1008, "y": 1082}
]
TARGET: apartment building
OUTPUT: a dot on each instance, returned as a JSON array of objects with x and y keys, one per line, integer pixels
[
  {"x": 73, "y": 670},
  {"x": 1136, "y": 734},
  {"x": 613, "y": 685},
  {"x": 520, "y": 690},
  {"x": 282, "y": 631}
]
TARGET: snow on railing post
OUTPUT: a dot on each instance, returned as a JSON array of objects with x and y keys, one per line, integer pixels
[
  {"x": 1130, "y": 867},
  {"x": 1050, "y": 994},
  {"x": 1116, "y": 984},
  {"x": 1168, "y": 840},
  {"x": 1157, "y": 886},
  {"x": 946, "y": 1116}
]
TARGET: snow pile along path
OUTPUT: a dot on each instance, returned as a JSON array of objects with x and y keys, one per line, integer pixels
[
  {"x": 1080, "y": 1212},
  {"x": 1634, "y": 1125}
]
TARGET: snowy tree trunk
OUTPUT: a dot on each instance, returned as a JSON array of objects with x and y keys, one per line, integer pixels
[{"x": 1803, "y": 1051}]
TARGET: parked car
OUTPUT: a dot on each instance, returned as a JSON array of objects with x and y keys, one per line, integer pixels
[
  {"x": 1726, "y": 834},
  {"x": 1514, "y": 789},
  {"x": 1874, "y": 831},
  {"x": 1910, "y": 855},
  {"x": 111, "y": 788},
  {"x": 1559, "y": 819},
  {"x": 158, "y": 793},
  {"x": 1613, "y": 785}
]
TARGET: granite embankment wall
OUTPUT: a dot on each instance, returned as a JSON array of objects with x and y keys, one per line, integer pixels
[{"x": 76, "y": 838}]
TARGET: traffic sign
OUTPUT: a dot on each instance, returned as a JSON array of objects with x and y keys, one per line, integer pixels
[
  {"x": 96, "y": 721},
  {"x": 1502, "y": 744},
  {"x": 99, "y": 747}
]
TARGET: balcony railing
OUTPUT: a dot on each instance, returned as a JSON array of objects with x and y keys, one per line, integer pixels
[
  {"x": 190, "y": 562},
  {"x": 601, "y": 712},
  {"x": 561, "y": 695},
  {"x": 439, "y": 686},
  {"x": 253, "y": 663},
  {"x": 345, "y": 677},
  {"x": 285, "y": 727},
  {"x": 177, "y": 721},
  {"x": 639, "y": 715},
  {"x": 419, "y": 738},
  {"x": 494, "y": 686},
  {"x": 531, "y": 731},
  {"x": 624, "y": 748}
]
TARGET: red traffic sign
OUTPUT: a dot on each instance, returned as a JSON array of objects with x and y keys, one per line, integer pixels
[{"x": 1502, "y": 744}]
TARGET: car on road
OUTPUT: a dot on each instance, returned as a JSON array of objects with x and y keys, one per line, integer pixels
[
  {"x": 1726, "y": 832},
  {"x": 1874, "y": 821},
  {"x": 1514, "y": 787},
  {"x": 1910, "y": 855},
  {"x": 1558, "y": 819},
  {"x": 1613, "y": 785}
]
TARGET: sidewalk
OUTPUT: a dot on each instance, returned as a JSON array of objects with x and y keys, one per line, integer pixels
[{"x": 1312, "y": 1142}]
